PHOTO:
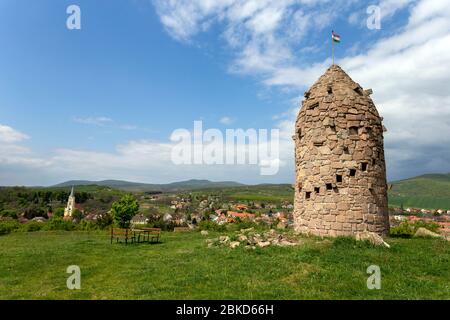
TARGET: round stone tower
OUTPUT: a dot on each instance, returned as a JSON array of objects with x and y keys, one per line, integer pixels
[{"x": 341, "y": 184}]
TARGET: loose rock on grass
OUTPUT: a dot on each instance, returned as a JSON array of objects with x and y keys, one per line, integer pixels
[{"x": 249, "y": 239}]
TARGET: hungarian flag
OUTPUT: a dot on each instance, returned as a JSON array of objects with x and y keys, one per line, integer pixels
[{"x": 335, "y": 37}]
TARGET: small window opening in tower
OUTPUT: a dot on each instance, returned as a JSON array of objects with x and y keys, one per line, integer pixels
[
  {"x": 330, "y": 89},
  {"x": 359, "y": 91},
  {"x": 299, "y": 133},
  {"x": 339, "y": 178},
  {"x": 329, "y": 186},
  {"x": 317, "y": 190},
  {"x": 364, "y": 166},
  {"x": 299, "y": 186},
  {"x": 352, "y": 172},
  {"x": 333, "y": 128},
  {"x": 353, "y": 131},
  {"x": 315, "y": 105},
  {"x": 374, "y": 162},
  {"x": 346, "y": 150},
  {"x": 308, "y": 195}
]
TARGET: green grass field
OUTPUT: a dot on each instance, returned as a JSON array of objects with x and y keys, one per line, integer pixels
[
  {"x": 431, "y": 191},
  {"x": 274, "y": 193},
  {"x": 33, "y": 266}
]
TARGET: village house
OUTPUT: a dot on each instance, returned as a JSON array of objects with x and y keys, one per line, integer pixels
[
  {"x": 220, "y": 211},
  {"x": 39, "y": 219},
  {"x": 196, "y": 218},
  {"x": 241, "y": 207},
  {"x": 167, "y": 217},
  {"x": 280, "y": 216},
  {"x": 179, "y": 222},
  {"x": 91, "y": 217},
  {"x": 139, "y": 220},
  {"x": 400, "y": 218},
  {"x": 233, "y": 216}
]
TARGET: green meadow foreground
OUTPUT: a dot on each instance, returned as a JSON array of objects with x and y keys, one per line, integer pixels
[{"x": 33, "y": 266}]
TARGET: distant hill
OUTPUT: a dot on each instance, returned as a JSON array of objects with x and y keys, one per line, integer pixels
[
  {"x": 145, "y": 187},
  {"x": 429, "y": 191}
]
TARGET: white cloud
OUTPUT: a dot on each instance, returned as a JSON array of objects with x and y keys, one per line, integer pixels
[
  {"x": 10, "y": 135},
  {"x": 12, "y": 153},
  {"x": 104, "y": 122},
  {"x": 226, "y": 120},
  {"x": 263, "y": 33},
  {"x": 96, "y": 121},
  {"x": 390, "y": 7}
]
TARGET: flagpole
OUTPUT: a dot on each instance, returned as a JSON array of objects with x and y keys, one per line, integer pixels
[{"x": 332, "y": 47}]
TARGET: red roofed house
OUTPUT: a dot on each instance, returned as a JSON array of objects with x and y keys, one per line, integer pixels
[
  {"x": 241, "y": 207},
  {"x": 233, "y": 215}
]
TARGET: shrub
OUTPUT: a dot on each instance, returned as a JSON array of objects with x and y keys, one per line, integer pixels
[
  {"x": 34, "y": 211},
  {"x": 32, "y": 226},
  {"x": 211, "y": 226},
  {"x": 87, "y": 226},
  {"x": 77, "y": 215},
  {"x": 104, "y": 221},
  {"x": 161, "y": 224},
  {"x": 8, "y": 214},
  {"x": 59, "y": 224},
  {"x": 8, "y": 226},
  {"x": 245, "y": 224},
  {"x": 432, "y": 226},
  {"x": 407, "y": 229},
  {"x": 403, "y": 230},
  {"x": 59, "y": 213}
]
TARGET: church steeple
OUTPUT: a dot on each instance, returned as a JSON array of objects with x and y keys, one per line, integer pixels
[{"x": 70, "y": 204}]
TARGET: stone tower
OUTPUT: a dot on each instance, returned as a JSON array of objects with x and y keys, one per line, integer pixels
[{"x": 341, "y": 184}]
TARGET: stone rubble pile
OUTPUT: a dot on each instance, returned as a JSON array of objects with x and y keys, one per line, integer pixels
[{"x": 250, "y": 239}]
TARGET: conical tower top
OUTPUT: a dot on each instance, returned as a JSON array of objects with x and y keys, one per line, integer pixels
[{"x": 334, "y": 75}]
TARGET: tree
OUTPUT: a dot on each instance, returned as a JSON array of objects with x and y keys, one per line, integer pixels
[
  {"x": 124, "y": 210},
  {"x": 8, "y": 214},
  {"x": 34, "y": 211},
  {"x": 77, "y": 215},
  {"x": 59, "y": 213}
]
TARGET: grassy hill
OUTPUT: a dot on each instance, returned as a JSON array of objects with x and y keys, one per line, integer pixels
[
  {"x": 263, "y": 192},
  {"x": 146, "y": 187},
  {"x": 430, "y": 191}
]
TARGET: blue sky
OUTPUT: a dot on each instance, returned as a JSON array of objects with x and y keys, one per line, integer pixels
[{"x": 102, "y": 102}]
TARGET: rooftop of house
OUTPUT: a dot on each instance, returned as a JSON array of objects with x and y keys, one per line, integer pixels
[{"x": 240, "y": 215}]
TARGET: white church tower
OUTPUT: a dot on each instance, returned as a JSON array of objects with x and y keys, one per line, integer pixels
[{"x": 70, "y": 205}]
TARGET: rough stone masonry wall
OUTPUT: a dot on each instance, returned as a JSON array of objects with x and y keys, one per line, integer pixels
[{"x": 341, "y": 184}]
